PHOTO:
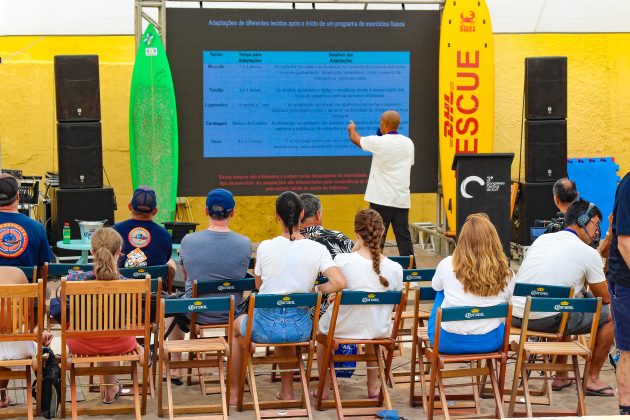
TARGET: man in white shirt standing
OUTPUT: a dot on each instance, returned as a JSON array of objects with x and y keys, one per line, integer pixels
[
  {"x": 570, "y": 258},
  {"x": 388, "y": 185}
]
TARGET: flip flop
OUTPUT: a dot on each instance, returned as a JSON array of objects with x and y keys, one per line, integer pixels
[
  {"x": 116, "y": 396},
  {"x": 600, "y": 392},
  {"x": 561, "y": 387}
]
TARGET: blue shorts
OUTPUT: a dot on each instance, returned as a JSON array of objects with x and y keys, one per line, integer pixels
[
  {"x": 620, "y": 309},
  {"x": 452, "y": 343},
  {"x": 280, "y": 325}
]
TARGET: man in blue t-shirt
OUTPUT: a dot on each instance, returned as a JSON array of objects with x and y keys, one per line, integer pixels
[
  {"x": 23, "y": 240},
  {"x": 145, "y": 243},
  {"x": 619, "y": 286}
]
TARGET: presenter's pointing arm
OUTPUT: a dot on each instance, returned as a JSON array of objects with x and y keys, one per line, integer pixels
[{"x": 355, "y": 137}]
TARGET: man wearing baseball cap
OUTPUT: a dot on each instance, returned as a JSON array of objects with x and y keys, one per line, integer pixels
[
  {"x": 145, "y": 243},
  {"x": 216, "y": 253},
  {"x": 23, "y": 240}
]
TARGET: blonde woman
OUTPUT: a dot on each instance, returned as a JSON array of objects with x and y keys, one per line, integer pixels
[
  {"x": 106, "y": 249},
  {"x": 477, "y": 274}
]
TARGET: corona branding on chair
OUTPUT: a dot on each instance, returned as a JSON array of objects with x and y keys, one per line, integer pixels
[
  {"x": 226, "y": 286},
  {"x": 286, "y": 300},
  {"x": 563, "y": 306},
  {"x": 540, "y": 291},
  {"x": 197, "y": 305},
  {"x": 414, "y": 276},
  {"x": 371, "y": 297},
  {"x": 466, "y": 89},
  {"x": 474, "y": 313}
]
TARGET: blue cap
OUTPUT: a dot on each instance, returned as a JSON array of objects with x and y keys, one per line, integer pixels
[
  {"x": 144, "y": 200},
  {"x": 220, "y": 201}
]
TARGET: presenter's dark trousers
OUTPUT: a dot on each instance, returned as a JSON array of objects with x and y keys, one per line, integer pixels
[{"x": 399, "y": 219}]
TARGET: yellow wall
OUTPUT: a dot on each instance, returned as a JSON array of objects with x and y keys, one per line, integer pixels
[{"x": 598, "y": 121}]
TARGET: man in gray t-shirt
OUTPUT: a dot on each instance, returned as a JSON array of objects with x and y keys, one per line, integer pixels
[{"x": 216, "y": 253}]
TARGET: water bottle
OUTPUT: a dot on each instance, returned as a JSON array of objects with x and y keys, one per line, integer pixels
[{"x": 66, "y": 233}]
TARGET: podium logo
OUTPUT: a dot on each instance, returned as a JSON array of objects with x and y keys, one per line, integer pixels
[{"x": 467, "y": 180}]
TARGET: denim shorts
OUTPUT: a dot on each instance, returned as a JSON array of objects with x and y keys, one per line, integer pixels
[
  {"x": 280, "y": 325},
  {"x": 620, "y": 303}
]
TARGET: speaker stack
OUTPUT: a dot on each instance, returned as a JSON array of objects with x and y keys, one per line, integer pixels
[
  {"x": 545, "y": 143},
  {"x": 80, "y": 194}
]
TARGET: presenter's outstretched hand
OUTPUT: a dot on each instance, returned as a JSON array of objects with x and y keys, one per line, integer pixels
[{"x": 355, "y": 137}]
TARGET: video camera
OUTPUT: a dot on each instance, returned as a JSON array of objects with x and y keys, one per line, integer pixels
[{"x": 554, "y": 225}]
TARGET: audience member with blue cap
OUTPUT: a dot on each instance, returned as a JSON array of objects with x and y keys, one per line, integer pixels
[
  {"x": 216, "y": 253},
  {"x": 145, "y": 243}
]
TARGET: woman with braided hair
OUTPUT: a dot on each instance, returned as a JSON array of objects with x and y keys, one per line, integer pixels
[
  {"x": 366, "y": 270},
  {"x": 286, "y": 264},
  {"x": 477, "y": 274}
]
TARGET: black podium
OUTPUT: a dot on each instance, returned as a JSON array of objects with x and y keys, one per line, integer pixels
[{"x": 483, "y": 186}]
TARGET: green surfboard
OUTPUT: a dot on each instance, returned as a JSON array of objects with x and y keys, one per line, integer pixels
[{"x": 153, "y": 138}]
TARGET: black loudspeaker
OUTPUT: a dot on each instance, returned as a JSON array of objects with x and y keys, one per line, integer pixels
[
  {"x": 546, "y": 88},
  {"x": 80, "y": 154},
  {"x": 545, "y": 150},
  {"x": 535, "y": 202},
  {"x": 89, "y": 205},
  {"x": 77, "y": 88}
]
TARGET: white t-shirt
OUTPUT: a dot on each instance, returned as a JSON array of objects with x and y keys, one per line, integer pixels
[
  {"x": 15, "y": 350},
  {"x": 364, "y": 321},
  {"x": 290, "y": 266},
  {"x": 392, "y": 159},
  {"x": 454, "y": 295},
  {"x": 559, "y": 259}
]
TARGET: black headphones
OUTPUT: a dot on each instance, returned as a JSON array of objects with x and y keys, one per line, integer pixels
[{"x": 584, "y": 218}]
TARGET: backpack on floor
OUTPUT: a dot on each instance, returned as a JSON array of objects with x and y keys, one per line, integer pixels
[{"x": 51, "y": 385}]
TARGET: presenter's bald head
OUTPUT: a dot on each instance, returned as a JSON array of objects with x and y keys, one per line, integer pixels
[{"x": 390, "y": 120}]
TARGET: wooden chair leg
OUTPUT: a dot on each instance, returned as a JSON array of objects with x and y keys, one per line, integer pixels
[
  {"x": 384, "y": 397},
  {"x": 29, "y": 395},
  {"x": 160, "y": 389},
  {"x": 136, "y": 390},
  {"x": 224, "y": 388},
  {"x": 306, "y": 401},
  {"x": 423, "y": 376},
  {"x": 497, "y": 389},
  {"x": 431, "y": 392},
  {"x": 581, "y": 406},
  {"x": 73, "y": 392},
  {"x": 528, "y": 400},
  {"x": 412, "y": 377},
  {"x": 335, "y": 384},
  {"x": 169, "y": 388},
  {"x": 442, "y": 390},
  {"x": 38, "y": 398},
  {"x": 252, "y": 385}
]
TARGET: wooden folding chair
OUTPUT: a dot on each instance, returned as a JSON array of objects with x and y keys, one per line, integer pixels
[
  {"x": 405, "y": 335},
  {"x": 549, "y": 350},
  {"x": 387, "y": 345},
  {"x": 59, "y": 270},
  {"x": 18, "y": 322},
  {"x": 203, "y": 287},
  {"x": 210, "y": 354},
  {"x": 420, "y": 339},
  {"x": 278, "y": 408},
  {"x": 440, "y": 361},
  {"x": 543, "y": 395},
  {"x": 110, "y": 308}
]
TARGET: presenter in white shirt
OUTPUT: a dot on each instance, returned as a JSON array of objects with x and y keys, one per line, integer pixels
[
  {"x": 367, "y": 270},
  {"x": 388, "y": 185},
  {"x": 286, "y": 264},
  {"x": 477, "y": 274}
]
